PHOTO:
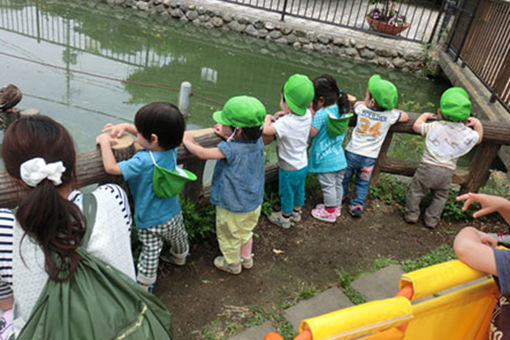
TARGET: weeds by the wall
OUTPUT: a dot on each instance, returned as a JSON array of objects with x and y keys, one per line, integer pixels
[
  {"x": 198, "y": 219},
  {"x": 442, "y": 253}
]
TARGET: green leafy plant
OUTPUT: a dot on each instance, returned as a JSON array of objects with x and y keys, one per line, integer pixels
[
  {"x": 442, "y": 253},
  {"x": 386, "y": 11},
  {"x": 198, "y": 219}
]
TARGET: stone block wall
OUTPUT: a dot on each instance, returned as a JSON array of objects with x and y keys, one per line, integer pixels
[{"x": 388, "y": 53}]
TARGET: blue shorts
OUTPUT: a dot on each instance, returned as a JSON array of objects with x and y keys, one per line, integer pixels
[{"x": 291, "y": 188}]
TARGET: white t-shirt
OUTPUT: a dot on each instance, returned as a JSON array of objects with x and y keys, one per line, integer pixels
[
  {"x": 371, "y": 129},
  {"x": 292, "y": 133},
  {"x": 446, "y": 142}
]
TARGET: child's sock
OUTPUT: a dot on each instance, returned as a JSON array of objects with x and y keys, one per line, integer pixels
[
  {"x": 286, "y": 215},
  {"x": 246, "y": 249},
  {"x": 330, "y": 210}
]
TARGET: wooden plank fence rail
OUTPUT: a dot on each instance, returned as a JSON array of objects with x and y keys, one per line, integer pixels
[{"x": 90, "y": 167}]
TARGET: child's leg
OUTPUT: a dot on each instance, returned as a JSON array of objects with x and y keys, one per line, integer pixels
[
  {"x": 440, "y": 191},
  {"x": 247, "y": 224},
  {"x": 298, "y": 185},
  {"x": 363, "y": 181},
  {"x": 339, "y": 188},
  {"x": 349, "y": 171},
  {"x": 246, "y": 249},
  {"x": 149, "y": 257},
  {"x": 175, "y": 234},
  {"x": 417, "y": 190},
  {"x": 285, "y": 191},
  {"x": 227, "y": 233},
  {"x": 327, "y": 182}
]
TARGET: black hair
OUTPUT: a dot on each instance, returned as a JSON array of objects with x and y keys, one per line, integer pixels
[
  {"x": 162, "y": 119},
  {"x": 325, "y": 86},
  {"x": 251, "y": 133}
]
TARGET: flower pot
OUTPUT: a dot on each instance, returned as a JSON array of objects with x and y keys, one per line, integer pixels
[{"x": 383, "y": 27}]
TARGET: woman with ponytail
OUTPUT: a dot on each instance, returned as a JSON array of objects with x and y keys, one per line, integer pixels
[
  {"x": 39, "y": 239},
  {"x": 331, "y": 107}
]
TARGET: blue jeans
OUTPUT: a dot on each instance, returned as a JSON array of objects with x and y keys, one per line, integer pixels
[
  {"x": 362, "y": 167},
  {"x": 291, "y": 187}
]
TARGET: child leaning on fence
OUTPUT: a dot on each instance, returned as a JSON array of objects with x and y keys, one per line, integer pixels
[
  {"x": 376, "y": 114},
  {"x": 291, "y": 131},
  {"x": 445, "y": 141},
  {"x": 326, "y": 157},
  {"x": 159, "y": 128},
  {"x": 237, "y": 188}
]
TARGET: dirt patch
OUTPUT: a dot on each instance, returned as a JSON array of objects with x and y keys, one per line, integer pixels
[{"x": 310, "y": 253}]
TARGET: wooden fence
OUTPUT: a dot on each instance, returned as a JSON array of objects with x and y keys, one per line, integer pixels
[
  {"x": 90, "y": 166},
  {"x": 481, "y": 38}
]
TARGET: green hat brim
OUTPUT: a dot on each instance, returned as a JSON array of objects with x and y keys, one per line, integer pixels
[{"x": 219, "y": 117}]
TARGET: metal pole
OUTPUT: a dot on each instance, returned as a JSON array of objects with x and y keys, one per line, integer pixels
[
  {"x": 284, "y": 10},
  {"x": 184, "y": 95}
]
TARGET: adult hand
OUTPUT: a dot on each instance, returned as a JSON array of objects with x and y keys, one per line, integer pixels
[{"x": 489, "y": 203}]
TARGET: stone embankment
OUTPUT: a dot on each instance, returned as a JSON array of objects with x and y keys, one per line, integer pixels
[{"x": 389, "y": 53}]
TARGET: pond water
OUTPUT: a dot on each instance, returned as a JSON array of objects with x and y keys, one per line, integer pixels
[{"x": 86, "y": 64}]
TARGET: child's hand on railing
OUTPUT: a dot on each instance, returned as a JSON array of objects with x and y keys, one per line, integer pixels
[
  {"x": 115, "y": 131},
  {"x": 429, "y": 116},
  {"x": 473, "y": 122},
  {"x": 105, "y": 139}
]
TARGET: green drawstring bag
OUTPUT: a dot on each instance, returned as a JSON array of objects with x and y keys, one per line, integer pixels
[
  {"x": 337, "y": 126},
  {"x": 166, "y": 183},
  {"x": 97, "y": 302}
]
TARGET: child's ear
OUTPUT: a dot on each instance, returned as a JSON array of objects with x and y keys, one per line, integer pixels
[
  {"x": 238, "y": 133},
  {"x": 154, "y": 139}
]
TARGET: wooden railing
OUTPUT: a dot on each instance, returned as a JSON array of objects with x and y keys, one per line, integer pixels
[{"x": 90, "y": 166}]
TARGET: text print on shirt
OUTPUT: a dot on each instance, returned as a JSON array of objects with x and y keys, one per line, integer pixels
[{"x": 365, "y": 126}]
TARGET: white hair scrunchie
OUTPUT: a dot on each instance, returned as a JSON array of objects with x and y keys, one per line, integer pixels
[{"x": 35, "y": 170}]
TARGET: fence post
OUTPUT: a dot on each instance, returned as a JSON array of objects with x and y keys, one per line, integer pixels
[
  {"x": 184, "y": 95},
  {"x": 468, "y": 30},
  {"x": 382, "y": 156},
  {"x": 484, "y": 156},
  {"x": 284, "y": 10}
]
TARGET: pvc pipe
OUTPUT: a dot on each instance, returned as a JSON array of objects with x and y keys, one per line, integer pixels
[{"x": 184, "y": 95}]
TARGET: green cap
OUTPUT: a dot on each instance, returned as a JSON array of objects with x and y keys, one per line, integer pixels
[
  {"x": 241, "y": 111},
  {"x": 383, "y": 91},
  {"x": 455, "y": 104},
  {"x": 298, "y": 93}
]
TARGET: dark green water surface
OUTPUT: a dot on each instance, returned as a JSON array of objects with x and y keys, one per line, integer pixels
[{"x": 69, "y": 58}]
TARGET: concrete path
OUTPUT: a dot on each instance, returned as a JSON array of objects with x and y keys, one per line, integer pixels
[{"x": 379, "y": 285}]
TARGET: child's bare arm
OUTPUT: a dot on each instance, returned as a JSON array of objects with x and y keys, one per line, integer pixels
[
  {"x": 109, "y": 162},
  {"x": 477, "y": 126},
  {"x": 422, "y": 119},
  {"x": 117, "y": 131},
  {"x": 474, "y": 249},
  {"x": 198, "y": 150},
  {"x": 313, "y": 132},
  {"x": 269, "y": 132},
  {"x": 404, "y": 117}
]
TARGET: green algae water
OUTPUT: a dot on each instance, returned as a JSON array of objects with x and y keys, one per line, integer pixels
[{"x": 86, "y": 64}]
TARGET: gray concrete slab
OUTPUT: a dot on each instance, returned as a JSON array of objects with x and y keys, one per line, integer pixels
[
  {"x": 382, "y": 284},
  {"x": 255, "y": 333},
  {"x": 325, "y": 302}
]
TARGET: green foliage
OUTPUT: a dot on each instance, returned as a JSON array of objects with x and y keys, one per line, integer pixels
[
  {"x": 389, "y": 189},
  {"x": 198, "y": 219},
  {"x": 497, "y": 184},
  {"x": 306, "y": 293},
  {"x": 442, "y": 253},
  {"x": 271, "y": 201},
  {"x": 345, "y": 280}
]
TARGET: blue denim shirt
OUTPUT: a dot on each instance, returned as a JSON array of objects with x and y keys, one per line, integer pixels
[{"x": 238, "y": 179}]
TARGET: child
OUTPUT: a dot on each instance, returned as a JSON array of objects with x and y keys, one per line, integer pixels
[
  {"x": 326, "y": 153},
  {"x": 237, "y": 188},
  {"x": 376, "y": 114},
  {"x": 10, "y": 96},
  {"x": 478, "y": 250},
  {"x": 291, "y": 131},
  {"x": 445, "y": 141},
  {"x": 159, "y": 129}
]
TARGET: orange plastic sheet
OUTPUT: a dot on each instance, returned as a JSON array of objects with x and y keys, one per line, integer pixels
[{"x": 438, "y": 309}]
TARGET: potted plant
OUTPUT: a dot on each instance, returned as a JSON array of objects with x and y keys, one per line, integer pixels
[{"x": 385, "y": 17}]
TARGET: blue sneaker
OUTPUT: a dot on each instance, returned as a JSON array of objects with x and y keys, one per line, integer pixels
[
  {"x": 280, "y": 220},
  {"x": 356, "y": 210}
]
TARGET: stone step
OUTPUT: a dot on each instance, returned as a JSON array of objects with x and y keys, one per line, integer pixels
[
  {"x": 325, "y": 302},
  {"x": 255, "y": 333},
  {"x": 382, "y": 284}
]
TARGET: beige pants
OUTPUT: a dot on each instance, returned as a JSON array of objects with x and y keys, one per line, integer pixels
[{"x": 233, "y": 230}]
